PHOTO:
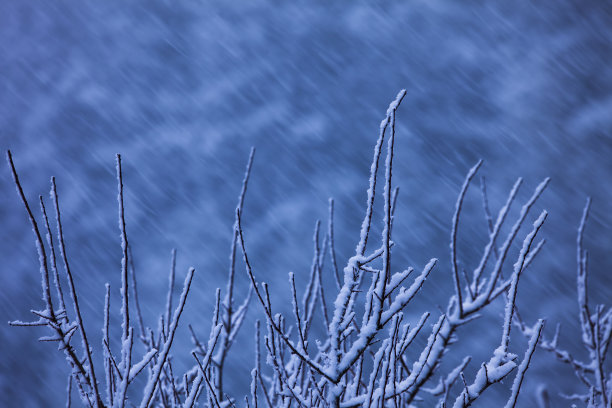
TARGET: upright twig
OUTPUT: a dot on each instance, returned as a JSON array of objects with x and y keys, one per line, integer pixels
[
  {"x": 125, "y": 311},
  {"x": 141, "y": 325},
  {"x": 453, "y": 241},
  {"x": 170, "y": 290},
  {"x": 518, "y": 380},
  {"x": 73, "y": 294},
  {"x": 165, "y": 350}
]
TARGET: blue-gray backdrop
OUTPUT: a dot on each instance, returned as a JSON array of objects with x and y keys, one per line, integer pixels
[{"x": 184, "y": 89}]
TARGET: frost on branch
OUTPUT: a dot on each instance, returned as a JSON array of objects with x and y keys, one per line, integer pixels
[
  {"x": 595, "y": 335},
  {"x": 370, "y": 351},
  {"x": 362, "y": 358},
  {"x": 118, "y": 373}
]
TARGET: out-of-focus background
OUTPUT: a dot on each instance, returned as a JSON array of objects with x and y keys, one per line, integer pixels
[{"x": 184, "y": 89}]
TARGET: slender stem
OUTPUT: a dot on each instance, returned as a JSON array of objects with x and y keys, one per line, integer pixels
[
  {"x": 73, "y": 293},
  {"x": 518, "y": 268},
  {"x": 453, "y": 242},
  {"x": 141, "y": 325},
  {"x": 42, "y": 255},
  {"x": 124, "y": 261},
  {"x": 268, "y": 312},
  {"x": 170, "y": 290},
  {"x": 332, "y": 248},
  {"x": 58, "y": 286}
]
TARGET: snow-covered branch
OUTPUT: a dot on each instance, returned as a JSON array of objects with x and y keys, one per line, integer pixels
[{"x": 356, "y": 342}]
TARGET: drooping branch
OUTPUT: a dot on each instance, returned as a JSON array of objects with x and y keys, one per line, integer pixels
[{"x": 303, "y": 356}]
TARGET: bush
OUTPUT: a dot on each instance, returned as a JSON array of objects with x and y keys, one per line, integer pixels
[{"x": 364, "y": 355}]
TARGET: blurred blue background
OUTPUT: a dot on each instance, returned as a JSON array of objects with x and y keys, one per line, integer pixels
[{"x": 183, "y": 90}]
